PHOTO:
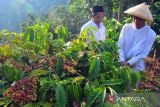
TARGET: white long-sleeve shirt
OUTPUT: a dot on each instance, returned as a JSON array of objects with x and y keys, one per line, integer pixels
[
  {"x": 134, "y": 45},
  {"x": 99, "y": 32}
]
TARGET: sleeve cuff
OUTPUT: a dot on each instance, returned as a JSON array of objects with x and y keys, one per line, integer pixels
[{"x": 130, "y": 62}]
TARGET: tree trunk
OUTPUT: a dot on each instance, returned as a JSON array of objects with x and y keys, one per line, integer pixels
[{"x": 120, "y": 13}]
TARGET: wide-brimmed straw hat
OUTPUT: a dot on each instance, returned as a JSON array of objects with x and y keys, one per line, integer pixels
[{"x": 142, "y": 11}]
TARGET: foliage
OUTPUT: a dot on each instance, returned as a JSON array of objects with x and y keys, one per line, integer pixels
[
  {"x": 60, "y": 96},
  {"x": 112, "y": 27},
  {"x": 94, "y": 67},
  {"x": 10, "y": 73},
  {"x": 37, "y": 37},
  {"x": 155, "y": 10}
]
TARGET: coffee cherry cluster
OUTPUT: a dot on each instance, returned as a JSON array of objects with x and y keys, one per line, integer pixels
[
  {"x": 2, "y": 59},
  {"x": 69, "y": 66},
  {"x": 49, "y": 62},
  {"x": 24, "y": 68},
  {"x": 23, "y": 91}
]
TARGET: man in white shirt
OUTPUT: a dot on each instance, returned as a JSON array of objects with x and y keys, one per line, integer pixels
[
  {"x": 136, "y": 39},
  {"x": 95, "y": 25}
]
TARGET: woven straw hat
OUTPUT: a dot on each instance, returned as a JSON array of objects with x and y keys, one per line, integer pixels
[{"x": 142, "y": 11}]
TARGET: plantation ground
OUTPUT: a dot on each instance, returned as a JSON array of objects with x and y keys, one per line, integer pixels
[{"x": 151, "y": 78}]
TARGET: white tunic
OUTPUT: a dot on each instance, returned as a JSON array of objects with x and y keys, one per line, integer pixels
[
  {"x": 134, "y": 45},
  {"x": 99, "y": 33}
]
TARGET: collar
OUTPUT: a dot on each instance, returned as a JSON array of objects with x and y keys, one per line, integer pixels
[
  {"x": 95, "y": 25},
  {"x": 144, "y": 27}
]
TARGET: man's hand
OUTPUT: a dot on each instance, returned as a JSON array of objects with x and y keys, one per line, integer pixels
[{"x": 126, "y": 64}]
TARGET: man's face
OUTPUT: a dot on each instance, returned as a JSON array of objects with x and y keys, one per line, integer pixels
[
  {"x": 138, "y": 21},
  {"x": 98, "y": 17}
]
